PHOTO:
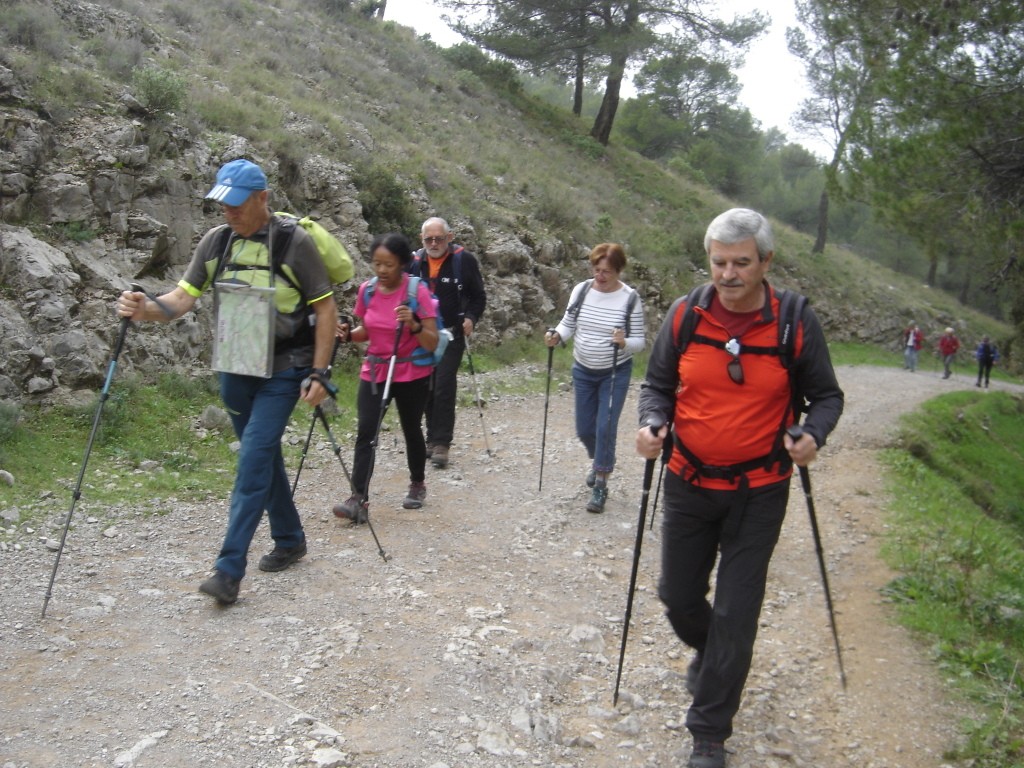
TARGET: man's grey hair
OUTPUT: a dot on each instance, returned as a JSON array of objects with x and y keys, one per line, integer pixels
[
  {"x": 435, "y": 220},
  {"x": 738, "y": 224}
]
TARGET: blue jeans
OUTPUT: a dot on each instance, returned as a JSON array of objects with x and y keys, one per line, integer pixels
[
  {"x": 595, "y": 426},
  {"x": 259, "y": 410},
  {"x": 910, "y": 358}
]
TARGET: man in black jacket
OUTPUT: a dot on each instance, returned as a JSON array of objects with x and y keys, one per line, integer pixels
[{"x": 453, "y": 274}]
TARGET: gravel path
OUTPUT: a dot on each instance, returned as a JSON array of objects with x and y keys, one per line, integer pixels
[{"x": 489, "y": 638}]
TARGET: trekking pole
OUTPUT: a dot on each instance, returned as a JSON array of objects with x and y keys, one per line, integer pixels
[
  {"x": 76, "y": 494},
  {"x": 666, "y": 453},
  {"x": 316, "y": 415},
  {"x": 654, "y": 422},
  {"x": 479, "y": 400},
  {"x": 547, "y": 399},
  {"x": 611, "y": 391},
  {"x": 795, "y": 432},
  {"x": 122, "y": 332}
]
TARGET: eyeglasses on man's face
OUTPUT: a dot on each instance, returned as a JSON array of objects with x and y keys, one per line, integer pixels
[
  {"x": 435, "y": 240},
  {"x": 734, "y": 367}
]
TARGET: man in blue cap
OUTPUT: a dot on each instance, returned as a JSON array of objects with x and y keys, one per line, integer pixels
[{"x": 255, "y": 261}]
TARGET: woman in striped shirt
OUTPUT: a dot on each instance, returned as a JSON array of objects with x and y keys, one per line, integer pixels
[{"x": 606, "y": 317}]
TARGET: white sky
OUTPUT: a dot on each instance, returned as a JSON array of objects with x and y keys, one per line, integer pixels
[{"x": 772, "y": 79}]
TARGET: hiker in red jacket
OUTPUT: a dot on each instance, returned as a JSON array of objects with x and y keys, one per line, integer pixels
[
  {"x": 948, "y": 346},
  {"x": 729, "y": 397}
]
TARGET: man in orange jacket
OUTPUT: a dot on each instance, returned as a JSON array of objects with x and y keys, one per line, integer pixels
[{"x": 728, "y": 398}]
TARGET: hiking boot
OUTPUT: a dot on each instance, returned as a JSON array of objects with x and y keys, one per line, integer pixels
[
  {"x": 430, "y": 450},
  {"x": 591, "y": 478},
  {"x": 707, "y": 754},
  {"x": 597, "y": 498},
  {"x": 439, "y": 456},
  {"x": 221, "y": 587},
  {"x": 280, "y": 558},
  {"x": 355, "y": 509},
  {"x": 693, "y": 672},
  {"x": 414, "y": 498}
]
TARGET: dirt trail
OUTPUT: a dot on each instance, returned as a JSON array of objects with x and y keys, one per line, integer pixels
[{"x": 489, "y": 638}]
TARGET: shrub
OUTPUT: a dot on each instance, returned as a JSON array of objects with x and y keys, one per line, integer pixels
[
  {"x": 159, "y": 90},
  {"x": 386, "y": 204}
]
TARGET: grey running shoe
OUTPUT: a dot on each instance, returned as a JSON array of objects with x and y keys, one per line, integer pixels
[
  {"x": 598, "y": 497},
  {"x": 355, "y": 509},
  {"x": 439, "y": 456},
  {"x": 414, "y": 498}
]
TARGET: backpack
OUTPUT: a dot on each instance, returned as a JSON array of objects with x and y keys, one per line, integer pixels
[
  {"x": 336, "y": 260},
  {"x": 791, "y": 307},
  {"x": 416, "y": 269},
  {"x": 420, "y": 355},
  {"x": 574, "y": 309}
]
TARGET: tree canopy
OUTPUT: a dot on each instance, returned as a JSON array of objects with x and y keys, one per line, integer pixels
[{"x": 590, "y": 40}]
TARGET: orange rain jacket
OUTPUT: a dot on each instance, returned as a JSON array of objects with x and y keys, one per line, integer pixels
[{"x": 724, "y": 423}]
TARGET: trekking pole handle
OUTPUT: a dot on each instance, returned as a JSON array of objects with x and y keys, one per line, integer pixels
[
  {"x": 137, "y": 287},
  {"x": 654, "y": 422}
]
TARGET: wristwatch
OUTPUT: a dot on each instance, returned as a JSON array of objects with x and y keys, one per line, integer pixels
[{"x": 324, "y": 373}]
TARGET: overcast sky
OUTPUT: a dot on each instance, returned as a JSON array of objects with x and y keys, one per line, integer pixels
[{"x": 772, "y": 79}]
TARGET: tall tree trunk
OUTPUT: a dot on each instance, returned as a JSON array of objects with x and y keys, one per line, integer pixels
[
  {"x": 933, "y": 267},
  {"x": 382, "y": 5},
  {"x": 819, "y": 243},
  {"x": 602, "y": 129},
  {"x": 965, "y": 288},
  {"x": 577, "y": 94}
]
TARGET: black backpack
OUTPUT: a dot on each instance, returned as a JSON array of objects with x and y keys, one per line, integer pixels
[{"x": 791, "y": 307}]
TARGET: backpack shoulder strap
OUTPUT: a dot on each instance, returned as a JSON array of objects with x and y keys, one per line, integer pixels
[
  {"x": 699, "y": 296},
  {"x": 414, "y": 284},
  {"x": 574, "y": 309},
  {"x": 634, "y": 297},
  {"x": 371, "y": 285},
  {"x": 457, "y": 265},
  {"x": 416, "y": 265},
  {"x": 791, "y": 309}
]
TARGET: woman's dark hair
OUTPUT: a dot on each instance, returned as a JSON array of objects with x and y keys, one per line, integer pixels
[{"x": 396, "y": 244}]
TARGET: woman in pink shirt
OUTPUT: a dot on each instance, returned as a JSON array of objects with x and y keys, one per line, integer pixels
[{"x": 395, "y": 324}]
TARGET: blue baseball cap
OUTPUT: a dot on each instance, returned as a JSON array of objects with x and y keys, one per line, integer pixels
[{"x": 236, "y": 181}]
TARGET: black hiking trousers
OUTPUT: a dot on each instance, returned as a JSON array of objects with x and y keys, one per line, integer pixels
[
  {"x": 693, "y": 537},
  {"x": 440, "y": 406}
]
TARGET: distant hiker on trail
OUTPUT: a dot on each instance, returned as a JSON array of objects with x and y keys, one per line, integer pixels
[
  {"x": 606, "y": 317},
  {"x": 948, "y": 346},
  {"x": 728, "y": 397},
  {"x": 913, "y": 340},
  {"x": 453, "y": 275},
  {"x": 299, "y": 322},
  {"x": 394, "y": 330},
  {"x": 987, "y": 355}
]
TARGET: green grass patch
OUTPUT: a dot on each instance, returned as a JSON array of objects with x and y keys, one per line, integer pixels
[{"x": 957, "y": 539}]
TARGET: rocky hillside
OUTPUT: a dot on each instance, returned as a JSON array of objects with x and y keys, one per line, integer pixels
[{"x": 100, "y": 193}]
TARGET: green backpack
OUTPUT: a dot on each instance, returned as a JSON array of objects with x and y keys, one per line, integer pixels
[{"x": 335, "y": 257}]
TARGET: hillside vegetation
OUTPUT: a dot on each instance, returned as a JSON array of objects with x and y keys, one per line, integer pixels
[{"x": 425, "y": 131}]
